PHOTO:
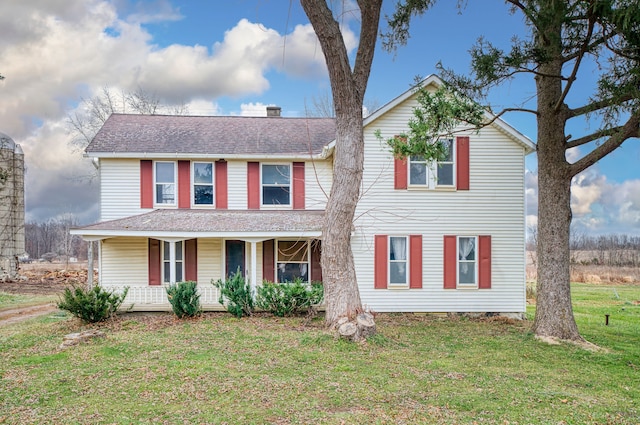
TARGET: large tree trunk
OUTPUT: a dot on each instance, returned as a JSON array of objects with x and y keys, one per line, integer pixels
[
  {"x": 342, "y": 297},
  {"x": 554, "y": 313}
]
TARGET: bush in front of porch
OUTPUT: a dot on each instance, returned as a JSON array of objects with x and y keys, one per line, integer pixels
[
  {"x": 235, "y": 295},
  {"x": 184, "y": 299}
]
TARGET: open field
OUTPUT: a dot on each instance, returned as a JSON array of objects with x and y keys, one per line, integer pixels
[{"x": 153, "y": 368}]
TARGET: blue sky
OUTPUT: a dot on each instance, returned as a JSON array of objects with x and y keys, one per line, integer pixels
[{"x": 235, "y": 57}]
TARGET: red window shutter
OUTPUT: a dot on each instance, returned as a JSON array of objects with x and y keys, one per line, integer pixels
[
  {"x": 381, "y": 258},
  {"x": 222, "y": 202},
  {"x": 400, "y": 173},
  {"x": 298, "y": 185},
  {"x": 184, "y": 184},
  {"x": 253, "y": 185},
  {"x": 146, "y": 183},
  {"x": 450, "y": 262},
  {"x": 415, "y": 260},
  {"x": 484, "y": 267},
  {"x": 316, "y": 267},
  {"x": 462, "y": 163},
  {"x": 155, "y": 277},
  {"x": 191, "y": 260},
  {"x": 268, "y": 261}
]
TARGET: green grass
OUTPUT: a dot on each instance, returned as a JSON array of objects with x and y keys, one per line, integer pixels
[{"x": 263, "y": 370}]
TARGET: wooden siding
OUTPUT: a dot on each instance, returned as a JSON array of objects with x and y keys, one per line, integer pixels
[
  {"x": 209, "y": 260},
  {"x": 318, "y": 178},
  {"x": 119, "y": 188},
  {"x": 494, "y": 206},
  {"x": 124, "y": 261}
]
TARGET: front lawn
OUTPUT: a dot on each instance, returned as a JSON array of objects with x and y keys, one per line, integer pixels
[{"x": 262, "y": 370}]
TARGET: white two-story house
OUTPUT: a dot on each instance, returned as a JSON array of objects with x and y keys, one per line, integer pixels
[{"x": 200, "y": 197}]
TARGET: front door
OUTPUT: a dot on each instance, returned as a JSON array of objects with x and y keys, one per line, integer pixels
[{"x": 234, "y": 253}]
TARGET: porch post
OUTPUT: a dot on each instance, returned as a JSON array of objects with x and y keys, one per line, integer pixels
[
  {"x": 254, "y": 271},
  {"x": 172, "y": 262},
  {"x": 90, "y": 265}
]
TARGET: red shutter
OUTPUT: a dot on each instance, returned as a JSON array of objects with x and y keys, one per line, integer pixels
[
  {"x": 381, "y": 259},
  {"x": 462, "y": 160},
  {"x": 450, "y": 262},
  {"x": 298, "y": 185},
  {"x": 184, "y": 184},
  {"x": 400, "y": 173},
  {"x": 316, "y": 267},
  {"x": 222, "y": 202},
  {"x": 484, "y": 267},
  {"x": 253, "y": 185},
  {"x": 146, "y": 183},
  {"x": 155, "y": 277},
  {"x": 415, "y": 261},
  {"x": 191, "y": 260},
  {"x": 268, "y": 261}
]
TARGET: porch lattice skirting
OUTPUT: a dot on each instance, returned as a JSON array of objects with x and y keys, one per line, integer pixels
[{"x": 154, "y": 298}]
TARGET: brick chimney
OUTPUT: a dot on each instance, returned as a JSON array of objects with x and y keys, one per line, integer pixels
[{"x": 273, "y": 111}]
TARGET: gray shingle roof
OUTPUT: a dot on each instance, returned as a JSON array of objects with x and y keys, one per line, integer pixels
[
  {"x": 215, "y": 135},
  {"x": 213, "y": 221}
]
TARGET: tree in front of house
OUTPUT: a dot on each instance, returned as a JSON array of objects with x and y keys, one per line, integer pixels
[{"x": 566, "y": 40}]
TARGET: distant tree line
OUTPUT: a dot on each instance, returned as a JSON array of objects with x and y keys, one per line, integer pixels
[{"x": 50, "y": 240}]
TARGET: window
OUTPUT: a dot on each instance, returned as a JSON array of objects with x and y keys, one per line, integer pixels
[
  {"x": 398, "y": 260},
  {"x": 467, "y": 261},
  {"x": 165, "y": 183},
  {"x": 202, "y": 183},
  {"x": 178, "y": 264},
  {"x": 292, "y": 261},
  {"x": 433, "y": 173},
  {"x": 444, "y": 168},
  {"x": 276, "y": 184}
]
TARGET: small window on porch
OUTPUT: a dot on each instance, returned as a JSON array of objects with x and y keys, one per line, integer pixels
[
  {"x": 166, "y": 262},
  {"x": 293, "y": 261}
]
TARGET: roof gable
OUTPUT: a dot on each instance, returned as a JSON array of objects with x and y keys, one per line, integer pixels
[{"x": 436, "y": 82}]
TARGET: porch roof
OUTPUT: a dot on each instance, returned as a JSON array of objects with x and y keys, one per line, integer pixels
[{"x": 189, "y": 223}]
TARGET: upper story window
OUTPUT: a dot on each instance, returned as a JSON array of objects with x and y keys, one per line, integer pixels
[
  {"x": 276, "y": 184},
  {"x": 165, "y": 183},
  {"x": 467, "y": 261},
  {"x": 202, "y": 183},
  {"x": 292, "y": 261},
  {"x": 398, "y": 274},
  {"x": 433, "y": 173}
]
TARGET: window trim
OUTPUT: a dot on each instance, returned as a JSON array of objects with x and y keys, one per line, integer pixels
[
  {"x": 476, "y": 263},
  {"x": 431, "y": 168},
  {"x": 194, "y": 184},
  {"x": 157, "y": 204},
  {"x": 276, "y": 250},
  {"x": 407, "y": 248},
  {"x": 262, "y": 185},
  {"x": 163, "y": 261}
]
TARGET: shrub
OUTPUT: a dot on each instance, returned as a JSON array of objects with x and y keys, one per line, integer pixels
[
  {"x": 184, "y": 299},
  {"x": 235, "y": 295},
  {"x": 91, "y": 305},
  {"x": 289, "y": 298}
]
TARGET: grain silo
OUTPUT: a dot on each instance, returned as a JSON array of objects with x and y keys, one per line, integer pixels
[{"x": 12, "y": 244}]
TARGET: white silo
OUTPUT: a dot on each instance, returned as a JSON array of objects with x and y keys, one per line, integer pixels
[{"x": 12, "y": 243}]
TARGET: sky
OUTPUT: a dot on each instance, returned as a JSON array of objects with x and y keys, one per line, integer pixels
[{"x": 235, "y": 58}]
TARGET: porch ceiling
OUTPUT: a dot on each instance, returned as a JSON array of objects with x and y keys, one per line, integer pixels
[{"x": 188, "y": 223}]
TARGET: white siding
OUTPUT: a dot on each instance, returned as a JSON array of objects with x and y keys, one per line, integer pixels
[
  {"x": 209, "y": 260},
  {"x": 237, "y": 185},
  {"x": 318, "y": 177},
  {"x": 124, "y": 261},
  {"x": 494, "y": 206},
  {"x": 119, "y": 188}
]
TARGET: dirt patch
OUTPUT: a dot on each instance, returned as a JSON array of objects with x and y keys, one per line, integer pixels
[{"x": 15, "y": 315}]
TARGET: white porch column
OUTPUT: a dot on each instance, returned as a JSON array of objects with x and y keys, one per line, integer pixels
[
  {"x": 172, "y": 262},
  {"x": 254, "y": 271}
]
